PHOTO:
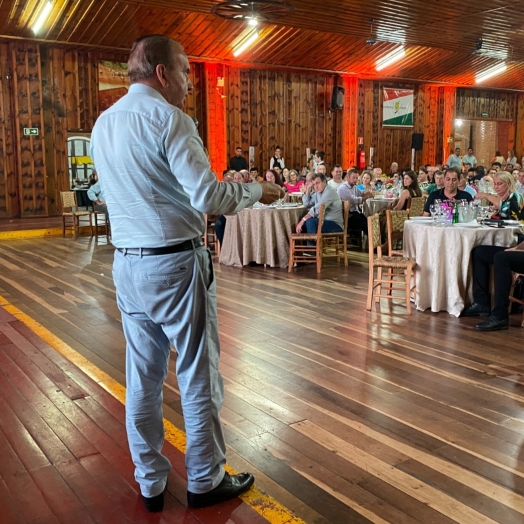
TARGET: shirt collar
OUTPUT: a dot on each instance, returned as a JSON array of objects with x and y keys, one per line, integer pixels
[{"x": 146, "y": 90}]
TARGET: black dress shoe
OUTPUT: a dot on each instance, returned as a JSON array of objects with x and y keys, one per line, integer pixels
[
  {"x": 231, "y": 487},
  {"x": 156, "y": 503},
  {"x": 476, "y": 310},
  {"x": 493, "y": 324}
]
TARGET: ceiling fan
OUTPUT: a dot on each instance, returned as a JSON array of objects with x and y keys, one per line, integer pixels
[
  {"x": 253, "y": 12},
  {"x": 372, "y": 39}
]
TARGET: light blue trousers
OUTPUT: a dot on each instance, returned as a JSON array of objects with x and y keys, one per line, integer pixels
[{"x": 170, "y": 300}]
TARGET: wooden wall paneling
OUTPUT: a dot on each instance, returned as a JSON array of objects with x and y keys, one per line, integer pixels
[
  {"x": 446, "y": 122},
  {"x": 361, "y": 113},
  {"x": 254, "y": 116},
  {"x": 503, "y": 133},
  {"x": 28, "y": 108},
  {"x": 519, "y": 128},
  {"x": 320, "y": 119},
  {"x": 9, "y": 188},
  {"x": 368, "y": 117},
  {"x": 349, "y": 122},
  {"x": 270, "y": 96},
  {"x": 234, "y": 135},
  {"x": 471, "y": 103},
  {"x": 295, "y": 126},
  {"x": 282, "y": 138},
  {"x": 93, "y": 59},
  {"x": 431, "y": 110},
  {"x": 264, "y": 152},
  {"x": 311, "y": 113},
  {"x": 216, "y": 118},
  {"x": 245, "y": 128},
  {"x": 304, "y": 114},
  {"x": 376, "y": 125},
  {"x": 71, "y": 90}
]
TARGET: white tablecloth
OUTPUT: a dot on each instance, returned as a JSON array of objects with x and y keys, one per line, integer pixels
[
  {"x": 443, "y": 261},
  {"x": 260, "y": 235},
  {"x": 375, "y": 205}
]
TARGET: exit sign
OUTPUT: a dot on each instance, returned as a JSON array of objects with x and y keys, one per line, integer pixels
[
  {"x": 30, "y": 130},
  {"x": 484, "y": 115}
]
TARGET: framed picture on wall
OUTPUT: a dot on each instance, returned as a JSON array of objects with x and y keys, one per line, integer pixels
[
  {"x": 113, "y": 83},
  {"x": 397, "y": 107}
]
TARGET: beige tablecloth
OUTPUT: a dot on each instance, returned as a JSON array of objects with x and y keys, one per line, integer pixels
[
  {"x": 443, "y": 261},
  {"x": 375, "y": 205},
  {"x": 259, "y": 235}
]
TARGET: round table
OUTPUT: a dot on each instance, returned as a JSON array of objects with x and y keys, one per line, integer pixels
[
  {"x": 443, "y": 261},
  {"x": 260, "y": 235},
  {"x": 375, "y": 205}
]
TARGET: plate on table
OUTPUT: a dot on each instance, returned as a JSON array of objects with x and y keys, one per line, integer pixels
[
  {"x": 512, "y": 222},
  {"x": 291, "y": 204},
  {"x": 421, "y": 219}
]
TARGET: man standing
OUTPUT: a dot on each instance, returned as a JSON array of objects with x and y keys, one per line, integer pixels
[
  {"x": 454, "y": 160},
  {"x": 470, "y": 158},
  {"x": 238, "y": 162},
  {"x": 157, "y": 183},
  {"x": 450, "y": 191},
  {"x": 349, "y": 191},
  {"x": 318, "y": 192}
]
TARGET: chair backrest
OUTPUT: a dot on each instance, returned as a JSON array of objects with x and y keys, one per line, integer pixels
[
  {"x": 416, "y": 206},
  {"x": 68, "y": 199},
  {"x": 395, "y": 226},
  {"x": 321, "y": 213},
  {"x": 346, "y": 216},
  {"x": 374, "y": 241}
]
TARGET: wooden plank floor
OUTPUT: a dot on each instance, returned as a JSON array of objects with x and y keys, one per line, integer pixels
[
  {"x": 25, "y": 224},
  {"x": 63, "y": 447},
  {"x": 344, "y": 416}
]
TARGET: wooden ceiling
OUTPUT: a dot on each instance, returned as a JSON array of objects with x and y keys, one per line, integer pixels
[{"x": 327, "y": 35}]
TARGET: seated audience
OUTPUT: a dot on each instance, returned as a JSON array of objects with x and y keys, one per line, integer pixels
[
  {"x": 508, "y": 201},
  {"x": 438, "y": 184},
  {"x": 322, "y": 169},
  {"x": 411, "y": 190},
  {"x": 285, "y": 175},
  {"x": 393, "y": 168},
  {"x": 336, "y": 177},
  {"x": 253, "y": 174},
  {"x": 505, "y": 262},
  {"x": 294, "y": 185},
  {"x": 450, "y": 191},
  {"x": 423, "y": 181},
  {"x": 94, "y": 193},
  {"x": 464, "y": 186},
  {"x": 519, "y": 186},
  {"x": 318, "y": 192},
  {"x": 349, "y": 191},
  {"x": 238, "y": 177},
  {"x": 273, "y": 176},
  {"x": 245, "y": 176},
  {"x": 366, "y": 182}
]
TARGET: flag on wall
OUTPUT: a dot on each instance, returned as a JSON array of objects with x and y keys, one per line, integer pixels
[{"x": 397, "y": 107}]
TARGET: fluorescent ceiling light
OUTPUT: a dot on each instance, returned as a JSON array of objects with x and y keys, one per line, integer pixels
[
  {"x": 500, "y": 68},
  {"x": 390, "y": 58},
  {"x": 252, "y": 21},
  {"x": 246, "y": 43},
  {"x": 42, "y": 17}
]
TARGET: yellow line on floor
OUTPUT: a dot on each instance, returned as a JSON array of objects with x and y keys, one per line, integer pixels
[
  {"x": 263, "y": 504},
  {"x": 30, "y": 233}
]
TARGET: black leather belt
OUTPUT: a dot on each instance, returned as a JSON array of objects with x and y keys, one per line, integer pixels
[{"x": 151, "y": 251}]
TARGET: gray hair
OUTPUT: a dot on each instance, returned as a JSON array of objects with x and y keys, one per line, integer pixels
[{"x": 149, "y": 51}]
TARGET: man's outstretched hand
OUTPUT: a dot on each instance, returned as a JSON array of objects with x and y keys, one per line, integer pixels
[{"x": 271, "y": 192}]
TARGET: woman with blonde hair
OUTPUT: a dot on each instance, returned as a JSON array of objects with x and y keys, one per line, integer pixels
[
  {"x": 508, "y": 201},
  {"x": 366, "y": 181}
]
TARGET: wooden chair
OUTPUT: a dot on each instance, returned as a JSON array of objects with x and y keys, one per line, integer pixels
[
  {"x": 336, "y": 244},
  {"x": 71, "y": 217},
  {"x": 416, "y": 206},
  {"x": 105, "y": 223},
  {"x": 298, "y": 243},
  {"x": 401, "y": 267},
  {"x": 395, "y": 228},
  {"x": 516, "y": 276},
  {"x": 210, "y": 237}
]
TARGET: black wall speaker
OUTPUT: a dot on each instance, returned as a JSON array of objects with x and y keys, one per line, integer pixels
[
  {"x": 417, "y": 139},
  {"x": 337, "y": 99}
]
